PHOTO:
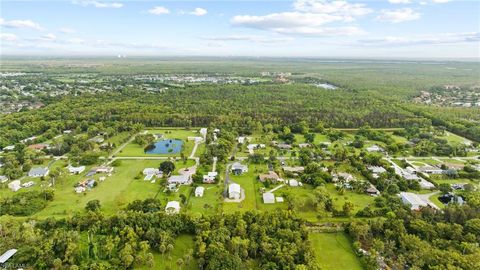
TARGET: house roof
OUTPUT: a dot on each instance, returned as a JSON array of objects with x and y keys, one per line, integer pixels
[
  {"x": 199, "y": 190},
  {"x": 268, "y": 197},
  {"x": 7, "y": 255},
  {"x": 178, "y": 178},
  {"x": 412, "y": 199},
  {"x": 173, "y": 204},
  {"x": 238, "y": 166},
  {"x": 234, "y": 188},
  {"x": 38, "y": 171}
]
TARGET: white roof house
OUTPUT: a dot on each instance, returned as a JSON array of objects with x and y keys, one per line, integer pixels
[
  {"x": 210, "y": 177},
  {"x": 14, "y": 185},
  {"x": 376, "y": 169},
  {"x": 80, "y": 189},
  {"x": 173, "y": 207},
  {"x": 28, "y": 184},
  {"x": 179, "y": 179},
  {"x": 38, "y": 172},
  {"x": 255, "y": 145},
  {"x": 303, "y": 145},
  {"x": 374, "y": 148},
  {"x": 293, "y": 183},
  {"x": 234, "y": 191},
  {"x": 152, "y": 171},
  {"x": 425, "y": 184},
  {"x": 7, "y": 255},
  {"x": 237, "y": 167},
  {"x": 203, "y": 131},
  {"x": 346, "y": 176},
  {"x": 199, "y": 191},
  {"x": 76, "y": 170},
  {"x": 3, "y": 179},
  {"x": 268, "y": 197},
  {"x": 241, "y": 139},
  {"x": 413, "y": 200},
  {"x": 9, "y": 148},
  {"x": 430, "y": 170}
]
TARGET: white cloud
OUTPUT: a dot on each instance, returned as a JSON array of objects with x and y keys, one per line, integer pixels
[
  {"x": 399, "y": 1},
  {"x": 440, "y": 1},
  {"x": 342, "y": 8},
  {"x": 20, "y": 24},
  {"x": 252, "y": 38},
  {"x": 196, "y": 12},
  {"x": 67, "y": 30},
  {"x": 433, "y": 39},
  {"x": 48, "y": 37},
  {"x": 398, "y": 15},
  {"x": 97, "y": 4},
  {"x": 159, "y": 10},
  {"x": 8, "y": 37},
  {"x": 308, "y": 18}
]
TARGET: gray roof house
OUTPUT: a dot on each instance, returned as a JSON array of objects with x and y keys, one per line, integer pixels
[{"x": 38, "y": 172}]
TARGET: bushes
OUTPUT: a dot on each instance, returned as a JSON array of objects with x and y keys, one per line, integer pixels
[{"x": 26, "y": 203}]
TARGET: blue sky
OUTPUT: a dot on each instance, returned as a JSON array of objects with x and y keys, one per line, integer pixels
[{"x": 295, "y": 28}]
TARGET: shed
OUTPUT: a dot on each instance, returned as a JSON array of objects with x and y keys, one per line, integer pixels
[
  {"x": 234, "y": 191},
  {"x": 268, "y": 197},
  {"x": 199, "y": 191},
  {"x": 173, "y": 207}
]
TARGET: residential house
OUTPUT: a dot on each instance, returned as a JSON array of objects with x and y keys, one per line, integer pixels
[
  {"x": 425, "y": 184},
  {"x": 210, "y": 177},
  {"x": 374, "y": 148},
  {"x": 79, "y": 189},
  {"x": 234, "y": 191},
  {"x": 173, "y": 207},
  {"x": 253, "y": 146},
  {"x": 284, "y": 146},
  {"x": 14, "y": 185},
  {"x": 430, "y": 170},
  {"x": 268, "y": 197},
  {"x": 293, "y": 183},
  {"x": 38, "y": 172},
  {"x": 303, "y": 145},
  {"x": 346, "y": 176},
  {"x": 203, "y": 131},
  {"x": 9, "y": 148},
  {"x": 179, "y": 179},
  {"x": 372, "y": 190},
  {"x": 76, "y": 170},
  {"x": 3, "y": 179},
  {"x": 270, "y": 176},
  {"x": 39, "y": 146},
  {"x": 414, "y": 201},
  {"x": 199, "y": 191},
  {"x": 238, "y": 168},
  {"x": 376, "y": 171},
  {"x": 297, "y": 169}
]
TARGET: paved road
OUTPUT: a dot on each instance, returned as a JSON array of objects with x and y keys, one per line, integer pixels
[{"x": 192, "y": 155}]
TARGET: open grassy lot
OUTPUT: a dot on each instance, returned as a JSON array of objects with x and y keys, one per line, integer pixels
[
  {"x": 359, "y": 200},
  {"x": 183, "y": 244},
  {"x": 334, "y": 251},
  {"x": 453, "y": 138},
  {"x": 114, "y": 193},
  {"x": 134, "y": 150},
  {"x": 209, "y": 204}
]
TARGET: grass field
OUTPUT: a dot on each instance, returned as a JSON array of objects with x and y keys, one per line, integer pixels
[
  {"x": 169, "y": 261},
  {"x": 334, "y": 251}
]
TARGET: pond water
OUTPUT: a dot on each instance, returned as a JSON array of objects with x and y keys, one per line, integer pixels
[
  {"x": 168, "y": 146},
  {"x": 326, "y": 86}
]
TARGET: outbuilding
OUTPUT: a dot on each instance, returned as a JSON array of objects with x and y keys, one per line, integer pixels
[
  {"x": 268, "y": 197},
  {"x": 173, "y": 207},
  {"x": 199, "y": 191},
  {"x": 234, "y": 191}
]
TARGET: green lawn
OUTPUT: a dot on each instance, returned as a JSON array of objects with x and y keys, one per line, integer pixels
[
  {"x": 114, "y": 193},
  {"x": 169, "y": 261},
  {"x": 209, "y": 203},
  {"x": 359, "y": 200},
  {"x": 334, "y": 251}
]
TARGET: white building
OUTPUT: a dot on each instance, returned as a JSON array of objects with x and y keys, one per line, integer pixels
[
  {"x": 374, "y": 148},
  {"x": 199, "y": 191},
  {"x": 293, "y": 183},
  {"x": 203, "y": 131},
  {"x": 14, "y": 185},
  {"x": 234, "y": 191},
  {"x": 76, "y": 170},
  {"x": 79, "y": 189},
  {"x": 38, "y": 172},
  {"x": 425, "y": 184},
  {"x": 147, "y": 171},
  {"x": 268, "y": 197},
  {"x": 239, "y": 168},
  {"x": 377, "y": 169},
  {"x": 210, "y": 177},
  {"x": 173, "y": 207},
  {"x": 255, "y": 146},
  {"x": 9, "y": 148},
  {"x": 413, "y": 200},
  {"x": 241, "y": 139},
  {"x": 346, "y": 176},
  {"x": 28, "y": 184},
  {"x": 3, "y": 179},
  {"x": 179, "y": 179},
  {"x": 430, "y": 170}
]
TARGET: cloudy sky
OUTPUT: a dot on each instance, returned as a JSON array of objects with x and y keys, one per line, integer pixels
[{"x": 304, "y": 28}]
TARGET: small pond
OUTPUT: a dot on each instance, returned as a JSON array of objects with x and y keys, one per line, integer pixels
[{"x": 168, "y": 146}]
